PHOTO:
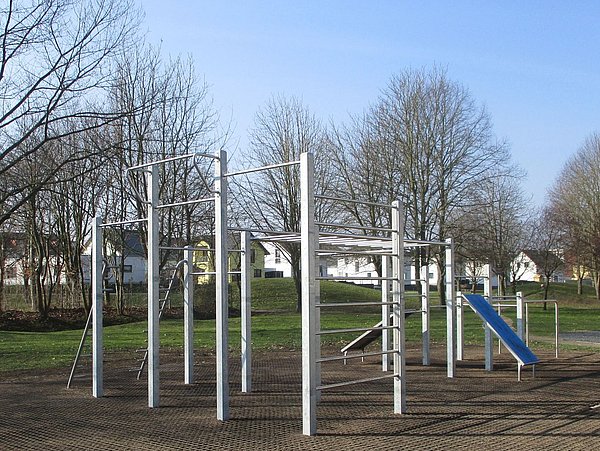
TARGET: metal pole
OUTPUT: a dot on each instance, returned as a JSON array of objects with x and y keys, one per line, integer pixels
[
  {"x": 245, "y": 268},
  {"x": 425, "y": 337},
  {"x": 222, "y": 312},
  {"x": 308, "y": 273},
  {"x": 385, "y": 313},
  {"x": 520, "y": 328},
  {"x": 527, "y": 324},
  {"x": 153, "y": 289},
  {"x": 459, "y": 326},
  {"x": 188, "y": 315},
  {"x": 556, "y": 327},
  {"x": 450, "y": 310},
  {"x": 398, "y": 308},
  {"x": 489, "y": 339},
  {"x": 97, "y": 301}
]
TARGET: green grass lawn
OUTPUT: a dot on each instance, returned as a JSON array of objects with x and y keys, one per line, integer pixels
[{"x": 277, "y": 325}]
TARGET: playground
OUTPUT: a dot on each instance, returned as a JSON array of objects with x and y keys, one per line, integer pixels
[
  {"x": 396, "y": 394},
  {"x": 475, "y": 409}
]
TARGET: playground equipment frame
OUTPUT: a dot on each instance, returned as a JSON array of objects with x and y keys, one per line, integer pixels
[{"x": 313, "y": 243}]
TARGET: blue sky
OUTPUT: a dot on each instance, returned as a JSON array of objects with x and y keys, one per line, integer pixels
[{"x": 533, "y": 64}]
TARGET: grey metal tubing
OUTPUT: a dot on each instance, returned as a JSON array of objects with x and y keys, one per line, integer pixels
[
  {"x": 356, "y": 381},
  {"x": 348, "y": 252},
  {"x": 425, "y": 243},
  {"x": 353, "y": 278},
  {"x": 354, "y": 201},
  {"x": 355, "y": 356},
  {"x": 129, "y": 221},
  {"x": 211, "y": 273},
  {"x": 352, "y": 330},
  {"x": 354, "y": 304},
  {"x": 187, "y": 202},
  {"x": 165, "y": 160},
  {"x": 262, "y": 168},
  {"x": 350, "y": 226},
  {"x": 177, "y": 248},
  {"x": 351, "y": 235}
]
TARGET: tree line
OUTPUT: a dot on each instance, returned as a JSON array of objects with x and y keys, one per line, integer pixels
[{"x": 84, "y": 97}]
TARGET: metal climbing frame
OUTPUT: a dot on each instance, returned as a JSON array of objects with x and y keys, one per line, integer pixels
[{"x": 313, "y": 244}]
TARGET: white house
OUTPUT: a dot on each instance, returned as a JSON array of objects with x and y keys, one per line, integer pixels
[
  {"x": 529, "y": 266},
  {"x": 362, "y": 267},
  {"x": 277, "y": 262},
  {"x": 133, "y": 257}
]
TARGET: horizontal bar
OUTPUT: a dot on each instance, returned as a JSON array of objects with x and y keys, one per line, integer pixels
[
  {"x": 262, "y": 168},
  {"x": 349, "y": 226},
  {"x": 355, "y": 356},
  {"x": 130, "y": 221},
  {"x": 539, "y": 301},
  {"x": 187, "y": 202},
  {"x": 208, "y": 273},
  {"x": 176, "y": 248},
  {"x": 354, "y": 201},
  {"x": 353, "y": 278},
  {"x": 504, "y": 305},
  {"x": 165, "y": 160},
  {"x": 207, "y": 155},
  {"x": 349, "y": 252},
  {"x": 350, "y": 235},
  {"x": 358, "y": 381},
  {"x": 274, "y": 232},
  {"x": 352, "y": 330},
  {"x": 425, "y": 243},
  {"x": 350, "y": 304},
  {"x": 234, "y": 272}
]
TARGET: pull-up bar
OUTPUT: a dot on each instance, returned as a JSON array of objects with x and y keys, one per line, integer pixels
[{"x": 261, "y": 168}]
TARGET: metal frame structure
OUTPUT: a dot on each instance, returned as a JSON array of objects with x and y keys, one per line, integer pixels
[{"x": 314, "y": 242}]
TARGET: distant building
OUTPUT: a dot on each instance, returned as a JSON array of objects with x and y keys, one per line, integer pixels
[
  {"x": 204, "y": 260},
  {"x": 529, "y": 266}
]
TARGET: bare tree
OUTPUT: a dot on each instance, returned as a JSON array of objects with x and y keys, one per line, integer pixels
[
  {"x": 283, "y": 130},
  {"x": 575, "y": 205},
  {"x": 493, "y": 225},
  {"x": 54, "y": 57},
  {"x": 427, "y": 142}
]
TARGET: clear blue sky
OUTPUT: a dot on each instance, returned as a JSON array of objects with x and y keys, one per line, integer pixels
[{"x": 533, "y": 64}]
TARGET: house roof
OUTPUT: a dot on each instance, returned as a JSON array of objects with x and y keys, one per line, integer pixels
[{"x": 541, "y": 258}]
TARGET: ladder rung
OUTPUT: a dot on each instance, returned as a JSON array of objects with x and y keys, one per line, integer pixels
[{"x": 142, "y": 350}]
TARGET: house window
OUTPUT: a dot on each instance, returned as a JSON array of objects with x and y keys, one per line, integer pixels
[
  {"x": 277, "y": 256},
  {"x": 431, "y": 275},
  {"x": 10, "y": 272},
  {"x": 368, "y": 274},
  {"x": 127, "y": 268},
  {"x": 526, "y": 264},
  {"x": 252, "y": 255},
  {"x": 257, "y": 273},
  {"x": 356, "y": 266}
]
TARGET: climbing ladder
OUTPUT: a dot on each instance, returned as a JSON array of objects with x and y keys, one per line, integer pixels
[
  {"x": 162, "y": 303},
  {"x": 85, "y": 351}
]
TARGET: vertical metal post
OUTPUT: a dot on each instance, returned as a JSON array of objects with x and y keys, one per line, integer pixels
[
  {"x": 153, "y": 289},
  {"x": 520, "y": 311},
  {"x": 188, "y": 315},
  {"x": 221, "y": 280},
  {"x": 385, "y": 313},
  {"x": 246, "y": 294},
  {"x": 308, "y": 273},
  {"x": 450, "y": 310},
  {"x": 398, "y": 307},
  {"x": 459, "y": 326},
  {"x": 527, "y": 324},
  {"x": 488, "y": 337},
  {"x": 556, "y": 328},
  {"x": 425, "y": 335},
  {"x": 97, "y": 301}
]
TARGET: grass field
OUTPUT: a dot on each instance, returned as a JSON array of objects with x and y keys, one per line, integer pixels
[{"x": 275, "y": 324}]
